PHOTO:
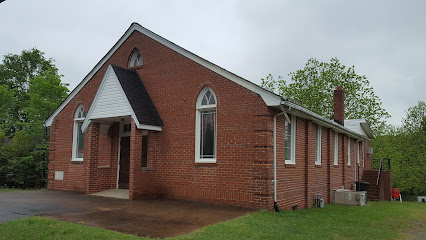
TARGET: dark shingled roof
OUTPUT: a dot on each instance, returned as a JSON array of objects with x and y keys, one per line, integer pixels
[{"x": 138, "y": 97}]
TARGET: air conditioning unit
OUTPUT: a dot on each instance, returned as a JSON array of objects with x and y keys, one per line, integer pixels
[
  {"x": 349, "y": 197},
  {"x": 370, "y": 150},
  {"x": 421, "y": 198}
]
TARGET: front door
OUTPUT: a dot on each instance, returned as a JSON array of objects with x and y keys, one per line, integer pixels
[{"x": 123, "y": 179}]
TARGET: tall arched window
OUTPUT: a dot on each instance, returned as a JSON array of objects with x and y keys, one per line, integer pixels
[
  {"x": 135, "y": 59},
  {"x": 205, "y": 128},
  {"x": 78, "y": 135}
]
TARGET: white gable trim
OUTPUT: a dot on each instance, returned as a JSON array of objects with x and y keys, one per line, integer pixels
[
  {"x": 368, "y": 131},
  {"x": 270, "y": 99},
  {"x": 89, "y": 119}
]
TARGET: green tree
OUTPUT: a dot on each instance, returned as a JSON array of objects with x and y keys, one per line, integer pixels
[
  {"x": 15, "y": 73},
  {"x": 415, "y": 121},
  {"x": 45, "y": 93},
  {"x": 313, "y": 86},
  {"x": 31, "y": 92},
  {"x": 6, "y": 100},
  {"x": 405, "y": 146},
  {"x": 412, "y": 166}
]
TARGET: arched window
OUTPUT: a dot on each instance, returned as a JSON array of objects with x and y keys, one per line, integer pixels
[
  {"x": 205, "y": 128},
  {"x": 78, "y": 135},
  {"x": 135, "y": 59}
]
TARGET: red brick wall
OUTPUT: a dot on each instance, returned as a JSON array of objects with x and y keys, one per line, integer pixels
[
  {"x": 142, "y": 180},
  {"x": 291, "y": 177},
  {"x": 108, "y": 158},
  {"x": 349, "y": 169},
  {"x": 386, "y": 186},
  {"x": 241, "y": 175},
  {"x": 243, "y": 172},
  {"x": 298, "y": 184}
]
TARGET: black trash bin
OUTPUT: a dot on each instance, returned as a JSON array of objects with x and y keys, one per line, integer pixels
[{"x": 363, "y": 186}]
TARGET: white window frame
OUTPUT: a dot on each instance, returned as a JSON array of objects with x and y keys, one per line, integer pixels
[
  {"x": 77, "y": 120},
  {"x": 336, "y": 148},
  {"x": 357, "y": 152},
  {"x": 133, "y": 57},
  {"x": 349, "y": 151},
  {"x": 363, "y": 155},
  {"x": 318, "y": 140},
  {"x": 293, "y": 141},
  {"x": 201, "y": 108}
]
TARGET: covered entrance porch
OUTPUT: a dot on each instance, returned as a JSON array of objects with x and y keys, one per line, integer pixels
[
  {"x": 117, "y": 158},
  {"x": 118, "y": 129}
]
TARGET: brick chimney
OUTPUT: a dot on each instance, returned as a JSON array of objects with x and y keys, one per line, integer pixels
[{"x": 339, "y": 105}]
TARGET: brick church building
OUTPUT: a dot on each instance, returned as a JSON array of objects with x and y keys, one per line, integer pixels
[{"x": 161, "y": 122}]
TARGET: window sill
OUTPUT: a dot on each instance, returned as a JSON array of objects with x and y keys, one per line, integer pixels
[
  {"x": 105, "y": 166},
  {"x": 205, "y": 161},
  {"x": 147, "y": 168},
  {"x": 205, "y": 165},
  {"x": 136, "y": 67},
  {"x": 77, "y": 161}
]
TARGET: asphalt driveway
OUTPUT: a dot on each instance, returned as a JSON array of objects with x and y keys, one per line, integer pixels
[{"x": 153, "y": 218}]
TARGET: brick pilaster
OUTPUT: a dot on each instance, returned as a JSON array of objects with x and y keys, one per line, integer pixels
[
  {"x": 309, "y": 162},
  {"x": 91, "y": 150},
  {"x": 135, "y": 158},
  {"x": 330, "y": 161},
  {"x": 51, "y": 164}
]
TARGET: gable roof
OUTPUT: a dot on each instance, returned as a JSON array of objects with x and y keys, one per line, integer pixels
[
  {"x": 270, "y": 98},
  {"x": 138, "y": 97},
  {"x": 122, "y": 93},
  {"x": 360, "y": 126}
]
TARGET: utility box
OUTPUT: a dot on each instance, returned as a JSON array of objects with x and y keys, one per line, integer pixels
[
  {"x": 363, "y": 186},
  {"x": 319, "y": 201},
  {"x": 421, "y": 198},
  {"x": 349, "y": 197}
]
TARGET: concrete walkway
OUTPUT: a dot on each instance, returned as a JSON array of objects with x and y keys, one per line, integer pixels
[
  {"x": 114, "y": 193},
  {"x": 153, "y": 218}
]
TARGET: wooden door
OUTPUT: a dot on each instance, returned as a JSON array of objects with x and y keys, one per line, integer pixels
[{"x": 123, "y": 180}]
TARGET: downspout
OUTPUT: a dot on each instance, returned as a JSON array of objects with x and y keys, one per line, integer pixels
[
  {"x": 277, "y": 209},
  {"x": 356, "y": 165}
]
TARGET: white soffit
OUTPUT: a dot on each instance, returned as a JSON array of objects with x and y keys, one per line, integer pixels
[{"x": 270, "y": 98}]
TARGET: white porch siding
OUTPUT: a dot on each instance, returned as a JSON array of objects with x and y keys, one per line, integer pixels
[{"x": 112, "y": 101}]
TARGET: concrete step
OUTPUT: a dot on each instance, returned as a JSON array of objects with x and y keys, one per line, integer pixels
[{"x": 114, "y": 193}]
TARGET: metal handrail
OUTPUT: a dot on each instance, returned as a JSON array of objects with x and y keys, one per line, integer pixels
[{"x": 380, "y": 173}]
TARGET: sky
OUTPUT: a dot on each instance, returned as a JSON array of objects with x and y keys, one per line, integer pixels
[{"x": 384, "y": 40}]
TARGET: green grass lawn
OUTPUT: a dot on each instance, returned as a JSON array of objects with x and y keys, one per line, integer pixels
[
  {"x": 384, "y": 220},
  {"x": 8, "y": 189},
  {"x": 17, "y": 189}
]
